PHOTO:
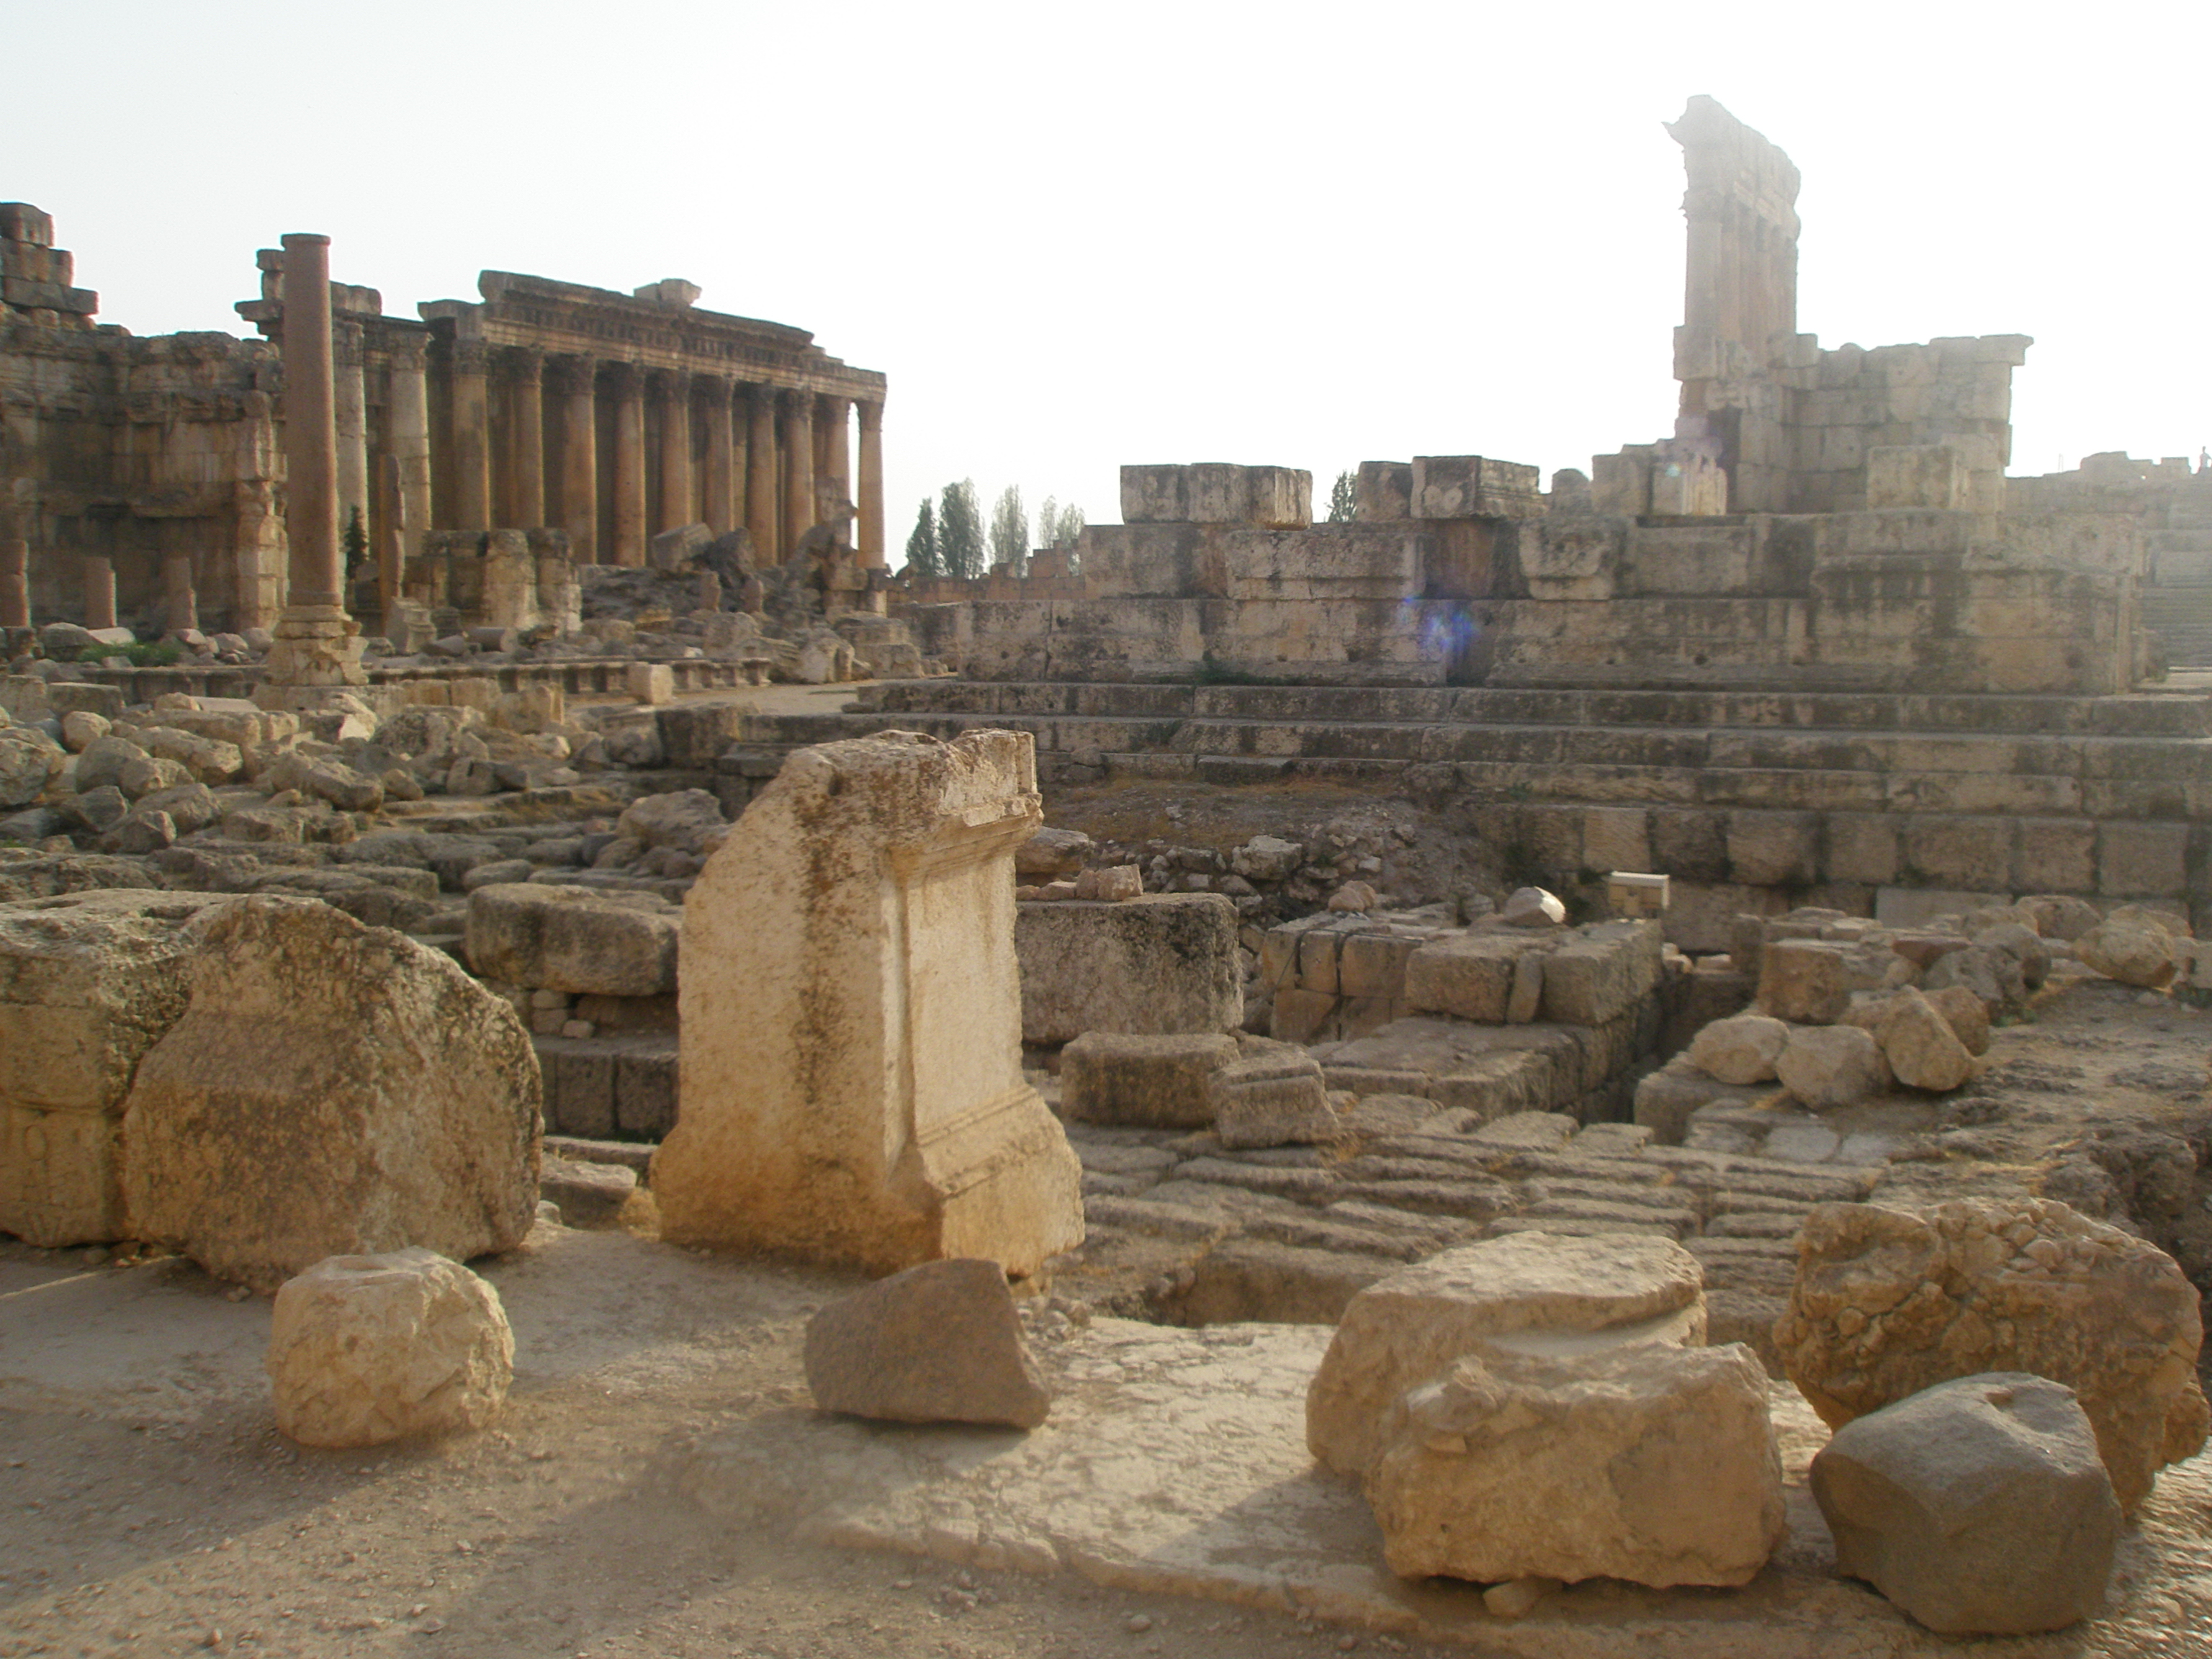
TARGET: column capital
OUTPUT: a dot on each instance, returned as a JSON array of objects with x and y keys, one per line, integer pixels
[
  {"x": 471, "y": 357},
  {"x": 716, "y": 386},
  {"x": 871, "y": 414},
  {"x": 573, "y": 375},
  {"x": 672, "y": 384},
  {"x": 797, "y": 401},
  {"x": 346, "y": 342},
  {"x": 628, "y": 378},
  {"x": 409, "y": 351},
  {"x": 761, "y": 395},
  {"x": 526, "y": 361}
]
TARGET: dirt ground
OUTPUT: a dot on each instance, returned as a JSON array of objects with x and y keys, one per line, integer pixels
[{"x": 151, "y": 1507}]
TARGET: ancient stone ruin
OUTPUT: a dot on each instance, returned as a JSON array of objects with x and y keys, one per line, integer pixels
[{"x": 1547, "y": 1068}]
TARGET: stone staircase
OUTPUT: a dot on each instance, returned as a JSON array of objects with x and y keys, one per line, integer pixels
[
  {"x": 2181, "y": 616},
  {"x": 1840, "y": 793}
]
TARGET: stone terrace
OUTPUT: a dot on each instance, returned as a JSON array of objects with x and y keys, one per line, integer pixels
[{"x": 1862, "y": 797}]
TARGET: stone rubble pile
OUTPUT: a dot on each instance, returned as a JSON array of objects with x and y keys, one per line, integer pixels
[{"x": 1847, "y": 1009}]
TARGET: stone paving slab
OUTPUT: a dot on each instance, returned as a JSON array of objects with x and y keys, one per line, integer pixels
[{"x": 1175, "y": 1461}]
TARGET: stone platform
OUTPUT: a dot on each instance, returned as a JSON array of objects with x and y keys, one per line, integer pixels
[{"x": 1846, "y": 794}]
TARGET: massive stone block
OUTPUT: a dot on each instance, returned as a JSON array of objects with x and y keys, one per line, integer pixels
[
  {"x": 1148, "y": 967},
  {"x": 89, "y": 982},
  {"x": 568, "y": 939},
  {"x": 1886, "y": 1302},
  {"x": 331, "y": 1090},
  {"x": 853, "y": 1086}
]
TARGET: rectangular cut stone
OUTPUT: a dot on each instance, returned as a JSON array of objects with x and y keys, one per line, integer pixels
[
  {"x": 1603, "y": 974},
  {"x": 2055, "y": 855},
  {"x": 852, "y": 1018},
  {"x": 1915, "y": 475},
  {"x": 1473, "y": 487},
  {"x": 1470, "y": 977},
  {"x": 567, "y": 938},
  {"x": 89, "y": 982},
  {"x": 2143, "y": 861},
  {"x": 1149, "y": 966},
  {"x": 1383, "y": 491},
  {"x": 1374, "y": 965},
  {"x": 1155, "y": 1082}
]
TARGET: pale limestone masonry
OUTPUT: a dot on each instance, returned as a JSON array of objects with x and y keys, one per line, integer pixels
[
  {"x": 541, "y": 406},
  {"x": 850, "y": 1028}
]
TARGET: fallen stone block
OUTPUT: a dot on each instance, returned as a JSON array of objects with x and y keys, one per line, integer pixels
[
  {"x": 1647, "y": 1463},
  {"x": 1165, "y": 963},
  {"x": 1979, "y": 1506},
  {"x": 2131, "y": 950},
  {"x": 330, "y": 1089},
  {"x": 367, "y": 1349},
  {"x": 1886, "y": 1302},
  {"x": 572, "y": 940},
  {"x": 588, "y": 1195},
  {"x": 1740, "y": 1050},
  {"x": 1601, "y": 972},
  {"x": 1806, "y": 981},
  {"x": 1830, "y": 1066},
  {"x": 938, "y": 1343},
  {"x": 1153, "y": 1082},
  {"x": 1538, "y": 1291},
  {"x": 89, "y": 982},
  {"x": 1921, "y": 1050},
  {"x": 1274, "y": 1099}
]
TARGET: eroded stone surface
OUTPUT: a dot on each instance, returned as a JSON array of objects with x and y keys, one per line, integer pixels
[
  {"x": 1886, "y": 1302},
  {"x": 938, "y": 1343},
  {"x": 367, "y": 1349}
]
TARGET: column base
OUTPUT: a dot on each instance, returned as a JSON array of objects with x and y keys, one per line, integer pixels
[{"x": 317, "y": 645}]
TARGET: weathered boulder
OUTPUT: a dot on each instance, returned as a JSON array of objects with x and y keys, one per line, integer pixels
[
  {"x": 29, "y": 760},
  {"x": 1532, "y": 907},
  {"x": 1966, "y": 1014},
  {"x": 80, "y": 726},
  {"x": 689, "y": 820},
  {"x": 1161, "y": 1082},
  {"x": 367, "y": 1349},
  {"x": 1979, "y": 1506},
  {"x": 1995, "y": 977},
  {"x": 569, "y": 938},
  {"x": 1050, "y": 853},
  {"x": 1274, "y": 1098},
  {"x": 1806, "y": 982},
  {"x": 330, "y": 1089},
  {"x": 1266, "y": 858},
  {"x": 588, "y": 1195},
  {"x": 149, "y": 775},
  {"x": 1532, "y": 1291},
  {"x": 1886, "y": 1302},
  {"x": 2132, "y": 949},
  {"x": 1113, "y": 884},
  {"x": 1921, "y": 1050},
  {"x": 101, "y": 763},
  {"x": 1830, "y": 1066},
  {"x": 325, "y": 780},
  {"x": 938, "y": 1343},
  {"x": 1741, "y": 1049},
  {"x": 1647, "y": 1463},
  {"x": 89, "y": 982}
]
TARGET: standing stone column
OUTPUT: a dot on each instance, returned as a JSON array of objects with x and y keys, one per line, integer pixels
[
  {"x": 799, "y": 466},
  {"x": 317, "y": 643},
  {"x": 837, "y": 416},
  {"x": 181, "y": 604},
  {"x": 472, "y": 430},
  {"x": 721, "y": 511},
  {"x": 869, "y": 532},
  {"x": 15, "y": 583},
  {"x": 762, "y": 484},
  {"x": 574, "y": 379},
  {"x": 628, "y": 386},
  {"x": 407, "y": 441},
  {"x": 99, "y": 591},
  {"x": 528, "y": 367},
  {"x": 350, "y": 398},
  {"x": 672, "y": 393}
]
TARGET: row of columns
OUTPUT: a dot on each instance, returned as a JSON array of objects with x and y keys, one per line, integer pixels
[{"x": 763, "y": 475}]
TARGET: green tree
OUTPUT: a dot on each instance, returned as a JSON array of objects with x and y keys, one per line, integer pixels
[
  {"x": 923, "y": 556},
  {"x": 1047, "y": 524},
  {"x": 1010, "y": 531},
  {"x": 1342, "y": 497},
  {"x": 354, "y": 542},
  {"x": 960, "y": 529},
  {"x": 1070, "y": 526}
]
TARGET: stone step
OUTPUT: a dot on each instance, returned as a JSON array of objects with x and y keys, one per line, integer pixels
[
  {"x": 2146, "y": 714},
  {"x": 598, "y": 1087},
  {"x": 1674, "y": 1223}
]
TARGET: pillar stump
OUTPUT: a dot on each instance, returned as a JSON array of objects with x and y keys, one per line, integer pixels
[
  {"x": 851, "y": 1018},
  {"x": 99, "y": 592}
]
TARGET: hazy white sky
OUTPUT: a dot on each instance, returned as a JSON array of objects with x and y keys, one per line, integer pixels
[{"x": 1075, "y": 236}]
